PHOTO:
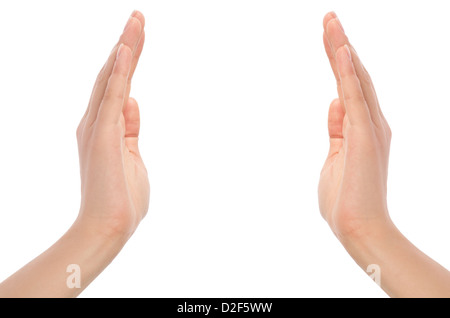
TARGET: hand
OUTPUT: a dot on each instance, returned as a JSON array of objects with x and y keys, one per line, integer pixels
[
  {"x": 114, "y": 183},
  {"x": 352, "y": 187}
]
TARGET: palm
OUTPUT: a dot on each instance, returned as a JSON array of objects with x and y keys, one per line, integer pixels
[
  {"x": 138, "y": 182},
  {"x": 347, "y": 198},
  {"x": 330, "y": 183},
  {"x": 332, "y": 172},
  {"x": 135, "y": 171}
]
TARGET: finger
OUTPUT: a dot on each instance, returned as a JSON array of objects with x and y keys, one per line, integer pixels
[
  {"x": 137, "y": 52},
  {"x": 331, "y": 55},
  {"x": 137, "y": 55},
  {"x": 354, "y": 102},
  {"x": 335, "y": 120},
  {"x": 132, "y": 126},
  {"x": 138, "y": 15},
  {"x": 337, "y": 38},
  {"x": 132, "y": 119},
  {"x": 331, "y": 59},
  {"x": 113, "y": 100},
  {"x": 336, "y": 116},
  {"x": 327, "y": 18},
  {"x": 140, "y": 44},
  {"x": 130, "y": 37},
  {"x": 328, "y": 48}
]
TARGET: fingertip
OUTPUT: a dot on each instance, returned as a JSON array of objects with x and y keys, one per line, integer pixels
[
  {"x": 131, "y": 110},
  {"x": 138, "y": 15},
  {"x": 336, "y": 33},
  {"x": 345, "y": 48},
  {"x": 344, "y": 62},
  {"x": 132, "y": 102},
  {"x": 131, "y": 34},
  {"x": 343, "y": 55},
  {"x": 124, "y": 52},
  {"x": 122, "y": 65},
  {"x": 335, "y": 102},
  {"x": 330, "y": 25},
  {"x": 335, "y": 108},
  {"x": 335, "y": 119},
  {"x": 132, "y": 29},
  {"x": 132, "y": 118},
  {"x": 136, "y": 23},
  {"x": 328, "y": 17}
]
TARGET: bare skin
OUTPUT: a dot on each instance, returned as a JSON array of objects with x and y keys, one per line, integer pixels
[
  {"x": 353, "y": 182},
  {"x": 114, "y": 184},
  {"x": 115, "y": 188}
]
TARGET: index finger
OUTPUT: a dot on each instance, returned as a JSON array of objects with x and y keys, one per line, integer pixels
[
  {"x": 130, "y": 37},
  {"x": 337, "y": 38}
]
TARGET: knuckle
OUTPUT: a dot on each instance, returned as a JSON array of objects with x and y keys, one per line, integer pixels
[
  {"x": 354, "y": 97},
  {"x": 112, "y": 96}
]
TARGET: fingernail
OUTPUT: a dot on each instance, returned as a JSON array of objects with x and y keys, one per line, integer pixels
[
  {"x": 128, "y": 22},
  {"x": 347, "y": 50},
  {"x": 119, "y": 50},
  {"x": 340, "y": 24}
]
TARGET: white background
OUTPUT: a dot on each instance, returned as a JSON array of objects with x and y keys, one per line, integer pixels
[{"x": 234, "y": 98}]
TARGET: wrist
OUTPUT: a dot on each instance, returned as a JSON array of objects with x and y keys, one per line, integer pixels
[
  {"x": 115, "y": 227},
  {"x": 368, "y": 244},
  {"x": 378, "y": 248},
  {"x": 96, "y": 235},
  {"x": 399, "y": 268}
]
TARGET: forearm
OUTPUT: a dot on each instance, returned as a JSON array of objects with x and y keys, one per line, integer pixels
[
  {"x": 115, "y": 187},
  {"x": 67, "y": 267},
  {"x": 404, "y": 270}
]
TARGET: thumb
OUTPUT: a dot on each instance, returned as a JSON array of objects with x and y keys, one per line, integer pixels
[
  {"x": 132, "y": 119},
  {"x": 336, "y": 115}
]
